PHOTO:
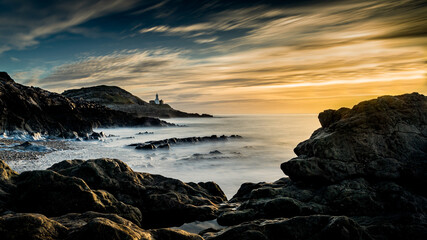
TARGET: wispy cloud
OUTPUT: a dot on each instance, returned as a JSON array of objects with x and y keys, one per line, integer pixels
[
  {"x": 309, "y": 58},
  {"x": 31, "y": 21},
  {"x": 206, "y": 40}
]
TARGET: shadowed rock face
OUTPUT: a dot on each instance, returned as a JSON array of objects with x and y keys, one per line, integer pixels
[
  {"x": 368, "y": 163},
  {"x": 384, "y": 138},
  {"x": 163, "y": 201},
  {"x": 118, "y": 99},
  {"x": 35, "y": 110}
]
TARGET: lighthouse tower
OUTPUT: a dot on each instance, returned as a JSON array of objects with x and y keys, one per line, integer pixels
[{"x": 157, "y": 101}]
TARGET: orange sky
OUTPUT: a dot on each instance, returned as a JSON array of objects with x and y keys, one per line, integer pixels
[{"x": 264, "y": 58}]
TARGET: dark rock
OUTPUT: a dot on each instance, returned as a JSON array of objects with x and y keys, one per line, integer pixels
[
  {"x": 97, "y": 136},
  {"x": 144, "y": 133},
  {"x": 163, "y": 201},
  {"x": 28, "y": 146},
  {"x": 118, "y": 99},
  {"x": 6, "y": 184},
  {"x": 88, "y": 225},
  {"x": 164, "y": 146},
  {"x": 145, "y": 146},
  {"x": 53, "y": 194},
  {"x": 368, "y": 163},
  {"x": 384, "y": 138},
  {"x": 172, "y": 141},
  {"x": 308, "y": 227},
  {"x": 34, "y": 110},
  {"x": 30, "y": 226},
  {"x": 215, "y": 152},
  {"x": 4, "y": 77}
]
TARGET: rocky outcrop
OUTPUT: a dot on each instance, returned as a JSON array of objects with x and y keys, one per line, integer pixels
[
  {"x": 34, "y": 110},
  {"x": 306, "y": 227},
  {"x": 162, "y": 201},
  {"x": 119, "y": 99},
  {"x": 366, "y": 166},
  {"x": 100, "y": 199},
  {"x": 166, "y": 143},
  {"x": 74, "y": 226}
]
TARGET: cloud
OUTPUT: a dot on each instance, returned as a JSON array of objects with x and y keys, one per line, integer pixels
[
  {"x": 30, "y": 21},
  {"x": 206, "y": 40},
  {"x": 307, "y": 57}
]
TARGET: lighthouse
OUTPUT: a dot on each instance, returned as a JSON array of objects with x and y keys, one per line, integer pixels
[{"x": 157, "y": 101}]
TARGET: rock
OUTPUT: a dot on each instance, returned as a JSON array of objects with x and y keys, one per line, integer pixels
[
  {"x": 384, "y": 138},
  {"x": 4, "y": 77},
  {"x": 88, "y": 225},
  {"x": 97, "y": 136},
  {"x": 34, "y": 110},
  {"x": 367, "y": 164},
  {"x": 6, "y": 184},
  {"x": 162, "y": 201},
  {"x": 308, "y": 227},
  {"x": 28, "y": 146},
  {"x": 166, "y": 143},
  {"x": 144, "y": 133},
  {"x": 53, "y": 194},
  {"x": 215, "y": 152},
  {"x": 118, "y": 99},
  {"x": 30, "y": 226},
  {"x": 164, "y": 146},
  {"x": 145, "y": 147}
]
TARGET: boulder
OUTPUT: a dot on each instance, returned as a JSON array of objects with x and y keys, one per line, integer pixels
[
  {"x": 88, "y": 225},
  {"x": 30, "y": 226},
  {"x": 53, "y": 194},
  {"x": 162, "y": 201}
]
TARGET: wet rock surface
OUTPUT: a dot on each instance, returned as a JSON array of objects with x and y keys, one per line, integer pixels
[
  {"x": 366, "y": 164},
  {"x": 166, "y": 143},
  {"x": 34, "y": 110}
]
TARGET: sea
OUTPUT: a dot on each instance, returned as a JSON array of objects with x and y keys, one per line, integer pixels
[{"x": 267, "y": 141}]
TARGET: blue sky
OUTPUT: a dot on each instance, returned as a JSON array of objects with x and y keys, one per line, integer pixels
[{"x": 220, "y": 56}]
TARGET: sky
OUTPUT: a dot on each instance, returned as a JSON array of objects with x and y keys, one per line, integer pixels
[{"x": 221, "y": 57}]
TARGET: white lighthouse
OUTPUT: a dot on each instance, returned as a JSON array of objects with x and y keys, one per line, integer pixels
[{"x": 157, "y": 101}]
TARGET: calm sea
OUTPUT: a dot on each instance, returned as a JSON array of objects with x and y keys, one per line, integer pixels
[{"x": 268, "y": 140}]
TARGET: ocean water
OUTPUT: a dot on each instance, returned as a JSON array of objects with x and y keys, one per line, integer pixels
[{"x": 268, "y": 140}]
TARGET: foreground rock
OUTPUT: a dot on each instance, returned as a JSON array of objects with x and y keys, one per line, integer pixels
[
  {"x": 166, "y": 143},
  {"x": 36, "y": 111},
  {"x": 162, "y": 201},
  {"x": 101, "y": 198},
  {"x": 88, "y": 225},
  {"x": 366, "y": 164},
  {"x": 118, "y": 99}
]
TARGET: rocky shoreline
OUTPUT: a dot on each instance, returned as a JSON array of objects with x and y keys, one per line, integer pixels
[
  {"x": 34, "y": 111},
  {"x": 360, "y": 176},
  {"x": 12, "y": 150}
]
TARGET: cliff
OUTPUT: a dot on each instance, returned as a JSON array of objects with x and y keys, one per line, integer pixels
[
  {"x": 34, "y": 110},
  {"x": 119, "y": 99}
]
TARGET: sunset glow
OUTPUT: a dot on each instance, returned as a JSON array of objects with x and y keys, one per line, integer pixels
[{"x": 245, "y": 57}]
